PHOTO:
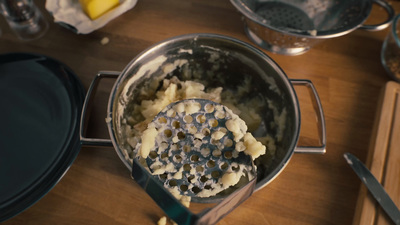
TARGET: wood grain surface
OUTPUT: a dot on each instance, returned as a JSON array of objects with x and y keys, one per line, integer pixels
[
  {"x": 383, "y": 158},
  {"x": 312, "y": 189}
]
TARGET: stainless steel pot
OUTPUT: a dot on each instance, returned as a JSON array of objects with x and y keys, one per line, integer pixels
[
  {"x": 215, "y": 61},
  {"x": 292, "y": 27}
]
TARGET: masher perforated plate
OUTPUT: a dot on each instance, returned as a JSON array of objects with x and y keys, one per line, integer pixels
[{"x": 187, "y": 156}]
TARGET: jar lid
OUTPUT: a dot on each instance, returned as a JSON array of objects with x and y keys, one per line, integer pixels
[{"x": 41, "y": 101}]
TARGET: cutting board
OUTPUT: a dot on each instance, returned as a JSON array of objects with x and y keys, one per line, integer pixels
[{"x": 383, "y": 158}]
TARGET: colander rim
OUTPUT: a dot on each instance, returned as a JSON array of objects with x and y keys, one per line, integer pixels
[{"x": 247, "y": 12}]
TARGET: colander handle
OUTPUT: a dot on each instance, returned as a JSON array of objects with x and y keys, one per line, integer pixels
[
  {"x": 376, "y": 27},
  {"x": 87, "y": 107},
  {"x": 321, "y": 149}
]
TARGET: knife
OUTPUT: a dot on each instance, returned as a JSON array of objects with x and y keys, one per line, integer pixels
[{"x": 374, "y": 187}]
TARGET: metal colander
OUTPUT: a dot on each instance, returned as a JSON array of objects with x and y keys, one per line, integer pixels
[
  {"x": 283, "y": 16},
  {"x": 292, "y": 26}
]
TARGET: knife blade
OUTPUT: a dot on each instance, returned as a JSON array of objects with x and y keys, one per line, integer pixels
[{"x": 374, "y": 187}]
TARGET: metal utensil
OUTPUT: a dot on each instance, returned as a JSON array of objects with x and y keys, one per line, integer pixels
[
  {"x": 292, "y": 27},
  {"x": 374, "y": 187},
  {"x": 194, "y": 148},
  {"x": 179, "y": 213},
  {"x": 178, "y": 143}
]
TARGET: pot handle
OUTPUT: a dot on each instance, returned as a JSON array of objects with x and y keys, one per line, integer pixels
[
  {"x": 87, "y": 107},
  {"x": 320, "y": 119},
  {"x": 376, "y": 27}
]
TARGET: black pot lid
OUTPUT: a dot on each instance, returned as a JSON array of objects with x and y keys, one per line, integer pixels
[{"x": 41, "y": 101}]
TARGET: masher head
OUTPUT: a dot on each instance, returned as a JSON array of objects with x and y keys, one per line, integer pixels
[{"x": 194, "y": 149}]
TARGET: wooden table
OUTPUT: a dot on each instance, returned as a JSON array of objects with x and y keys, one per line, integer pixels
[{"x": 312, "y": 189}]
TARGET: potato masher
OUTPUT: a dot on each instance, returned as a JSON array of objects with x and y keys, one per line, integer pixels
[{"x": 195, "y": 153}]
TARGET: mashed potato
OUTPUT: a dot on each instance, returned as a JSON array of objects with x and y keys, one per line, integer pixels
[
  {"x": 168, "y": 89},
  {"x": 244, "y": 142}
]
